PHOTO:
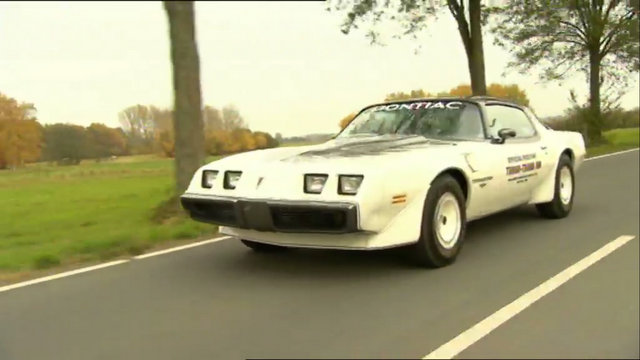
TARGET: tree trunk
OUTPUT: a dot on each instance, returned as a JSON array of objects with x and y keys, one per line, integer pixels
[
  {"x": 594, "y": 120},
  {"x": 187, "y": 120},
  {"x": 475, "y": 56}
]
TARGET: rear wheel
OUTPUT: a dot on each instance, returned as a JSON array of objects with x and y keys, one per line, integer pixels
[
  {"x": 562, "y": 202},
  {"x": 443, "y": 224},
  {"x": 262, "y": 247}
]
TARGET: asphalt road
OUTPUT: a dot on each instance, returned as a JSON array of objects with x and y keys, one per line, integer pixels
[{"x": 221, "y": 301}]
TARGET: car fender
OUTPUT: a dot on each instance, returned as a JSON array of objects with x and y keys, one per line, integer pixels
[
  {"x": 559, "y": 142},
  {"x": 403, "y": 219}
]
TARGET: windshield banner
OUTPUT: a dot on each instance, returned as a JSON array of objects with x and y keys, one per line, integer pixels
[{"x": 453, "y": 105}]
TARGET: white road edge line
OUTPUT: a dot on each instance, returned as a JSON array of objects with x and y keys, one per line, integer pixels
[
  {"x": 61, "y": 275},
  {"x": 105, "y": 265},
  {"x": 178, "y": 248},
  {"x": 490, "y": 323},
  {"x": 611, "y": 154}
]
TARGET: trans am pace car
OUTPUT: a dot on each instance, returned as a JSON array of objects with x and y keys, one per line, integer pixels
[{"x": 409, "y": 173}]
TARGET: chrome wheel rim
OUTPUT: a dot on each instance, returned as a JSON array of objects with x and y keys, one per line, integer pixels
[
  {"x": 566, "y": 185},
  {"x": 447, "y": 221}
]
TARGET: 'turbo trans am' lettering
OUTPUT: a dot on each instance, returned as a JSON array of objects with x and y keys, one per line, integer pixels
[{"x": 526, "y": 167}]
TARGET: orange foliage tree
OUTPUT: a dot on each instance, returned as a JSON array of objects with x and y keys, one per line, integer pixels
[
  {"x": 508, "y": 92},
  {"x": 414, "y": 94},
  {"x": 346, "y": 120},
  {"x": 20, "y": 133},
  {"x": 225, "y": 132},
  {"x": 105, "y": 141}
]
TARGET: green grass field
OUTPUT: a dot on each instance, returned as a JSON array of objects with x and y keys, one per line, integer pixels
[
  {"x": 619, "y": 139},
  {"x": 53, "y": 216}
]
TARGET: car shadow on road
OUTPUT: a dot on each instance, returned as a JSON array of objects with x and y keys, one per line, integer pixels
[{"x": 328, "y": 263}]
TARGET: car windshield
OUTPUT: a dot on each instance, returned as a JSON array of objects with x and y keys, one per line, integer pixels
[{"x": 432, "y": 119}]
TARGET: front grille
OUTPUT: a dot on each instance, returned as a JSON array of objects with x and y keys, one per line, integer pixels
[
  {"x": 308, "y": 219},
  {"x": 264, "y": 216},
  {"x": 219, "y": 212}
]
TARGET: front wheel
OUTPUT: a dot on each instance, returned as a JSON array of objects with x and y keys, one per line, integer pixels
[
  {"x": 443, "y": 224},
  {"x": 562, "y": 202}
]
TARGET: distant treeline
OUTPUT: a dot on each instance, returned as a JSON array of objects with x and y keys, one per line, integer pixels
[
  {"x": 311, "y": 138},
  {"x": 576, "y": 118},
  {"x": 144, "y": 130}
]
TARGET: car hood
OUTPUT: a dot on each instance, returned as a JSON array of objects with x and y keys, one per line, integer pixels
[
  {"x": 358, "y": 148},
  {"x": 278, "y": 173},
  {"x": 352, "y": 152}
]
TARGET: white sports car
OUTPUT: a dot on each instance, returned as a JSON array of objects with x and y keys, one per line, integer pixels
[{"x": 409, "y": 173}]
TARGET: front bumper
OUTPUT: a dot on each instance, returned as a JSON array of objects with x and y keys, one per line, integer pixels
[{"x": 273, "y": 215}]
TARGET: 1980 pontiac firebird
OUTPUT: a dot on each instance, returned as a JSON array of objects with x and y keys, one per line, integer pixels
[{"x": 409, "y": 173}]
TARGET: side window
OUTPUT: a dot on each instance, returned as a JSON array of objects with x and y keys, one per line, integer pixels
[
  {"x": 500, "y": 117},
  {"x": 470, "y": 124}
]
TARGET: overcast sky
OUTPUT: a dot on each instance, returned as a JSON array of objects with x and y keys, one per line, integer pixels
[{"x": 285, "y": 65}]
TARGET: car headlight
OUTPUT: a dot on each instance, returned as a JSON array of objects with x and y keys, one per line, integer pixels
[
  {"x": 231, "y": 179},
  {"x": 208, "y": 178},
  {"x": 314, "y": 183},
  {"x": 349, "y": 184}
]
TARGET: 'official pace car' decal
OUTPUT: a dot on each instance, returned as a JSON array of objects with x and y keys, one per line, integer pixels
[
  {"x": 518, "y": 158},
  {"x": 528, "y": 168}
]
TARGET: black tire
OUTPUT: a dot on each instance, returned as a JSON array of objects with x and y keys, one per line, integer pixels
[
  {"x": 262, "y": 247},
  {"x": 556, "y": 208},
  {"x": 429, "y": 251}
]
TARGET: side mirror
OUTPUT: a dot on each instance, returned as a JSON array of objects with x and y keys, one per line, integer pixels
[{"x": 503, "y": 135}]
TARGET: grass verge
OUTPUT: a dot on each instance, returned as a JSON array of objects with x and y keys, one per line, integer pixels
[
  {"x": 618, "y": 140},
  {"x": 54, "y": 216}
]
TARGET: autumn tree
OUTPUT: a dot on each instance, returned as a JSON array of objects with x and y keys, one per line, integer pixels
[
  {"x": 163, "y": 131},
  {"x": 508, "y": 92},
  {"x": 413, "y": 94},
  {"x": 222, "y": 123},
  {"x": 105, "y": 141},
  {"x": 264, "y": 140},
  {"x": 20, "y": 133},
  {"x": 162, "y": 119},
  {"x": 413, "y": 16},
  {"x": 346, "y": 120},
  {"x": 188, "y": 125},
  {"x": 220, "y": 142},
  {"x": 215, "y": 141},
  {"x": 596, "y": 37},
  {"x": 166, "y": 142}
]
